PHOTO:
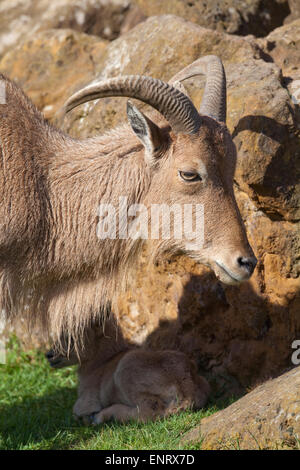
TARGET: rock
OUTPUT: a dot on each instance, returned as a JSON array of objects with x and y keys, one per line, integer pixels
[
  {"x": 238, "y": 335},
  {"x": 48, "y": 65},
  {"x": 22, "y": 19},
  {"x": 232, "y": 16},
  {"x": 266, "y": 418},
  {"x": 294, "y": 6},
  {"x": 265, "y": 137},
  {"x": 283, "y": 46},
  {"x": 109, "y": 18}
]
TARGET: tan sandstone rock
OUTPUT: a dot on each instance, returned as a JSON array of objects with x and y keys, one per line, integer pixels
[
  {"x": 266, "y": 418},
  {"x": 21, "y": 19},
  {"x": 48, "y": 65},
  {"x": 283, "y": 46},
  {"x": 294, "y": 6},
  {"x": 232, "y": 16}
]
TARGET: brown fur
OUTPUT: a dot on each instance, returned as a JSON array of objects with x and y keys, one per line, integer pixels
[
  {"x": 116, "y": 382},
  {"x": 53, "y": 268}
]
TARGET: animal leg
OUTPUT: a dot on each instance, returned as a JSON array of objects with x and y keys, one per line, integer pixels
[
  {"x": 118, "y": 412},
  {"x": 86, "y": 406}
]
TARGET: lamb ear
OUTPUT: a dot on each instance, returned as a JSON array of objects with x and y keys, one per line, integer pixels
[{"x": 148, "y": 132}]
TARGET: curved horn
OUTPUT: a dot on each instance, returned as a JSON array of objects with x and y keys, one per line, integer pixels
[
  {"x": 176, "y": 107},
  {"x": 214, "y": 97}
]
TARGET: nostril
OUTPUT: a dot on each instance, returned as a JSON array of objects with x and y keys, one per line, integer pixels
[{"x": 247, "y": 263}]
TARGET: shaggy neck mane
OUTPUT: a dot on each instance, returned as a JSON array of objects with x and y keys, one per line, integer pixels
[
  {"x": 82, "y": 175},
  {"x": 58, "y": 272}
]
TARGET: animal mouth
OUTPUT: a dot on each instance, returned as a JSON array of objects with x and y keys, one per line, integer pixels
[{"x": 223, "y": 270}]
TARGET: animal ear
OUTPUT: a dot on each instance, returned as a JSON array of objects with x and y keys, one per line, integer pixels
[{"x": 148, "y": 132}]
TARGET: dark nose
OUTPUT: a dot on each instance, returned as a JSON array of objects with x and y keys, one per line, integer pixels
[
  {"x": 247, "y": 263},
  {"x": 49, "y": 354}
]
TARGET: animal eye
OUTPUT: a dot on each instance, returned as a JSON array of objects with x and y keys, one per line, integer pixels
[{"x": 189, "y": 176}]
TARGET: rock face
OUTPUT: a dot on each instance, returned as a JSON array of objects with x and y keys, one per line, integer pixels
[
  {"x": 48, "y": 65},
  {"x": 232, "y": 16},
  {"x": 266, "y": 418},
  {"x": 20, "y": 19},
  {"x": 238, "y": 335},
  {"x": 294, "y": 6},
  {"x": 283, "y": 46}
]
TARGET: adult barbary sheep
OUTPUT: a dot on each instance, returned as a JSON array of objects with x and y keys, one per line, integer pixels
[{"x": 54, "y": 267}]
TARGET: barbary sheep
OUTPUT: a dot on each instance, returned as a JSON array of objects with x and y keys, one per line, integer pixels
[{"x": 55, "y": 267}]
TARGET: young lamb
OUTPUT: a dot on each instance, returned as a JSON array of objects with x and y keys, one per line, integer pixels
[{"x": 121, "y": 383}]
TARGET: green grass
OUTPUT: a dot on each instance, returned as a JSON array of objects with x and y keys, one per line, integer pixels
[{"x": 36, "y": 412}]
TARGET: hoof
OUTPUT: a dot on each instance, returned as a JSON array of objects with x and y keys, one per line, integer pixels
[{"x": 87, "y": 420}]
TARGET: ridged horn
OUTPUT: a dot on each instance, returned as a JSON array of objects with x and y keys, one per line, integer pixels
[
  {"x": 175, "y": 106},
  {"x": 214, "y": 97}
]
